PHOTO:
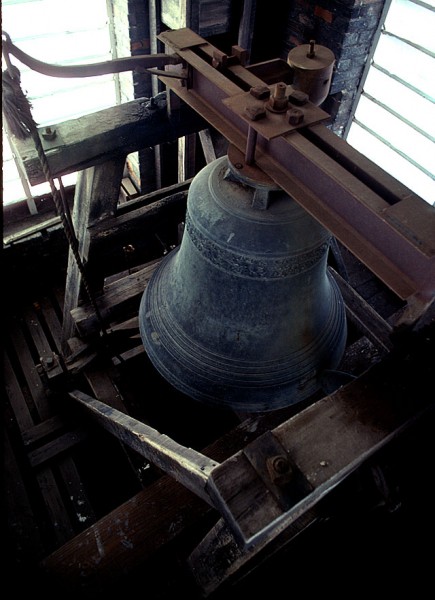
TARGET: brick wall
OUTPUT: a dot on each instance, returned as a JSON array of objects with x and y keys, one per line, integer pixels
[
  {"x": 131, "y": 25},
  {"x": 347, "y": 28}
]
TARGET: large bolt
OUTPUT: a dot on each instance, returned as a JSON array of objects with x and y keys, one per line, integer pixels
[
  {"x": 280, "y": 469},
  {"x": 262, "y": 92},
  {"x": 255, "y": 112},
  {"x": 278, "y": 102},
  {"x": 295, "y": 116}
]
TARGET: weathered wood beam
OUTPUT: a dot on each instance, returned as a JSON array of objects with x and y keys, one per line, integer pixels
[
  {"x": 157, "y": 515},
  {"x": 189, "y": 467},
  {"x": 366, "y": 320},
  {"x": 118, "y": 297},
  {"x": 136, "y": 229},
  {"x": 321, "y": 446},
  {"x": 95, "y": 138},
  {"x": 219, "y": 559},
  {"x": 96, "y": 196}
]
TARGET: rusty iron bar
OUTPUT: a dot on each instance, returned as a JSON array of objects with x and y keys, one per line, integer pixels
[{"x": 352, "y": 211}]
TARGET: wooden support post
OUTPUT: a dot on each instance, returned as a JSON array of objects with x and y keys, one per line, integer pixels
[
  {"x": 96, "y": 197},
  {"x": 207, "y": 146}
]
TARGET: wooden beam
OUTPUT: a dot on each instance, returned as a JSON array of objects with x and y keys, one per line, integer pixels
[
  {"x": 136, "y": 228},
  {"x": 97, "y": 137},
  {"x": 157, "y": 515},
  {"x": 367, "y": 321},
  {"x": 323, "y": 444},
  {"x": 185, "y": 465},
  {"x": 120, "y": 295},
  {"x": 96, "y": 196}
]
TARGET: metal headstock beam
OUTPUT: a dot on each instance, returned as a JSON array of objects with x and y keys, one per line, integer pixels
[{"x": 392, "y": 233}]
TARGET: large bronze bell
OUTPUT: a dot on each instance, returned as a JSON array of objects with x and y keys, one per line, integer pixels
[{"x": 244, "y": 313}]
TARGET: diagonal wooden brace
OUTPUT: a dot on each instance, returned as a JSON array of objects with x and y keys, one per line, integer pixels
[{"x": 263, "y": 489}]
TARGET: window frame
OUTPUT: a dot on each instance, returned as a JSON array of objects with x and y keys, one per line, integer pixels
[{"x": 361, "y": 93}]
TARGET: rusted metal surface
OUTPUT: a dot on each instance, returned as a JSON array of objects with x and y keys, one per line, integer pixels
[{"x": 394, "y": 249}]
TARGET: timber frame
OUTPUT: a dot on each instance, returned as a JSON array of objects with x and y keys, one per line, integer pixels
[{"x": 265, "y": 491}]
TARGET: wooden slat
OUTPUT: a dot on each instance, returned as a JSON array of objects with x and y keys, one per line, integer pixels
[
  {"x": 21, "y": 518},
  {"x": 96, "y": 196},
  {"x": 103, "y": 387},
  {"x": 76, "y": 493},
  {"x": 52, "y": 449},
  {"x": 137, "y": 228},
  {"x": 123, "y": 294},
  {"x": 62, "y": 526},
  {"x": 105, "y": 390},
  {"x": 47, "y": 356},
  {"x": 219, "y": 558},
  {"x": 367, "y": 321},
  {"x": 184, "y": 464},
  {"x": 50, "y": 317},
  {"x": 207, "y": 146},
  {"x": 30, "y": 371},
  {"x": 16, "y": 398},
  {"x": 156, "y": 516},
  {"x": 38, "y": 432}
]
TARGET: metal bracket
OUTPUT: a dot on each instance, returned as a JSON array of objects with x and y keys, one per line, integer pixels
[{"x": 277, "y": 470}]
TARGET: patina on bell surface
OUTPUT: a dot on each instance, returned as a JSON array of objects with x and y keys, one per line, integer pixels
[{"x": 244, "y": 313}]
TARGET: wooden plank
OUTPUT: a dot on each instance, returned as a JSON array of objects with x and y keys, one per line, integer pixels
[
  {"x": 62, "y": 526},
  {"x": 207, "y": 146},
  {"x": 47, "y": 357},
  {"x": 33, "y": 433},
  {"x": 105, "y": 390},
  {"x": 129, "y": 188},
  {"x": 29, "y": 231},
  {"x": 76, "y": 493},
  {"x": 136, "y": 228},
  {"x": 97, "y": 137},
  {"x": 220, "y": 559},
  {"x": 16, "y": 397},
  {"x": 42, "y": 430},
  {"x": 32, "y": 378},
  {"x": 46, "y": 311},
  {"x": 159, "y": 194},
  {"x": 367, "y": 321},
  {"x": 326, "y": 442},
  {"x": 122, "y": 357},
  {"x": 125, "y": 538},
  {"x": 96, "y": 196},
  {"x": 247, "y": 24},
  {"x": 52, "y": 449},
  {"x": 187, "y": 466},
  {"x": 125, "y": 293},
  {"x": 157, "y": 515},
  {"x": 21, "y": 518}
]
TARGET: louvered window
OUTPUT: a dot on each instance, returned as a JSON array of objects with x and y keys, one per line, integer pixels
[
  {"x": 65, "y": 33},
  {"x": 394, "y": 121}
]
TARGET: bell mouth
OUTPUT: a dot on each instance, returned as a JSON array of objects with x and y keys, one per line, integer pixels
[{"x": 221, "y": 377}]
